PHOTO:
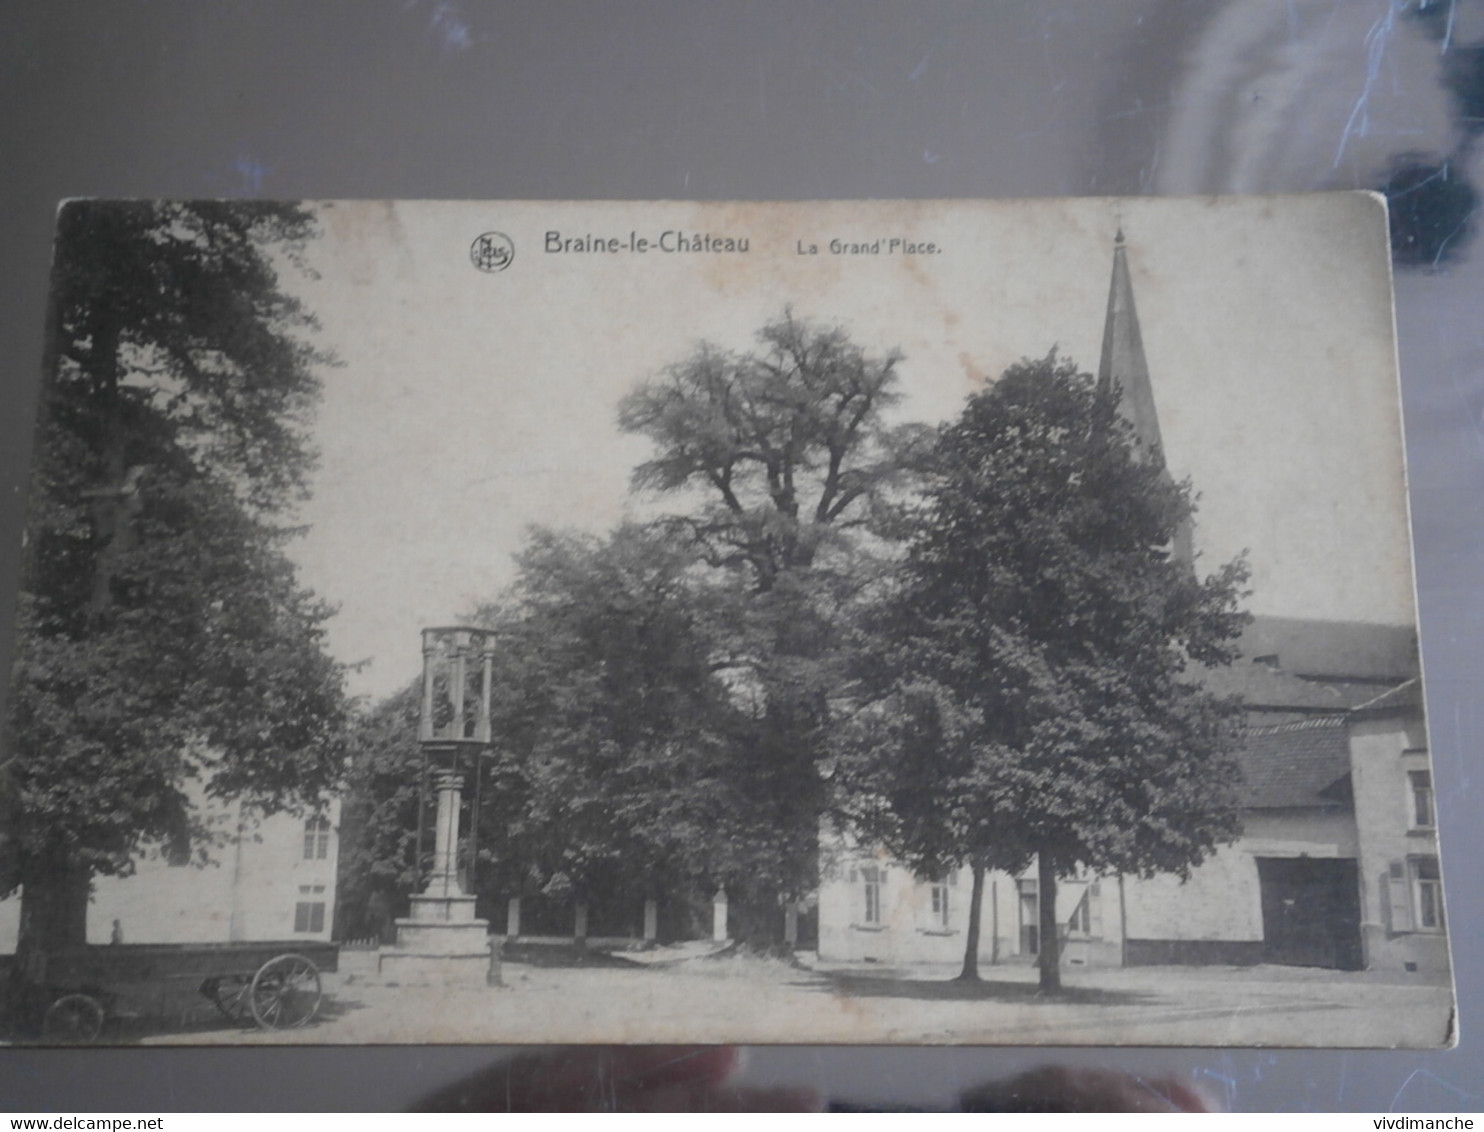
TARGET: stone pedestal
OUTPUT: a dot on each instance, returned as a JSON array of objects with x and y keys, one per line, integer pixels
[{"x": 441, "y": 942}]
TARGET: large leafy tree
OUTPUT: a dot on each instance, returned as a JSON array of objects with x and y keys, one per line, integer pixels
[
  {"x": 612, "y": 776},
  {"x": 614, "y": 732},
  {"x": 165, "y": 646},
  {"x": 1034, "y": 691},
  {"x": 785, "y": 456}
]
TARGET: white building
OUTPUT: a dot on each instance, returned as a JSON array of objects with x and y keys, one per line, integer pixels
[
  {"x": 264, "y": 879},
  {"x": 1337, "y": 866}
]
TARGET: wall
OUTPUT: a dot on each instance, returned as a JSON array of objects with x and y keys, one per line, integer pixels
[
  {"x": 907, "y": 931},
  {"x": 248, "y": 891},
  {"x": 1216, "y": 915},
  {"x": 1382, "y": 752}
]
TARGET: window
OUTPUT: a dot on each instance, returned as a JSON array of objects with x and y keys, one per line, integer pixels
[
  {"x": 309, "y": 915},
  {"x": 1030, "y": 916},
  {"x": 178, "y": 852},
  {"x": 1427, "y": 893},
  {"x": 871, "y": 885},
  {"x": 316, "y": 839},
  {"x": 1419, "y": 783},
  {"x": 938, "y": 905},
  {"x": 1415, "y": 895},
  {"x": 1081, "y": 921}
]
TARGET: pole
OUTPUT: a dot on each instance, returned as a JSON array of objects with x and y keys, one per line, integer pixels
[
  {"x": 473, "y": 876},
  {"x": 422, "y": 804}
]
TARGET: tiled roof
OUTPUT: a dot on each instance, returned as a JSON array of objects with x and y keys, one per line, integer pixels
[{"x": 1302, "y": 764}]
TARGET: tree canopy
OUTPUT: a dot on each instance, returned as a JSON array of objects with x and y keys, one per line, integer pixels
[
  {"x": 612, "y": 725},
  {"x": 1032, "y": 690},
  {"x": 163, "y": 636},
  {"x": 787, "y": 458}
]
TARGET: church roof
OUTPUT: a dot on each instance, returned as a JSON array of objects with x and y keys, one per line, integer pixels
[
  {"x": 1291, "y": 664},
  {"x": 1297, "y": 765},
  {"x": 1263, "y": 687},
  {"x": 1405, "y": 697},
  {"x": 1123, "y": 363},
  {"x": 1334, "y": 650},
  {"x": 1123, "y": 358}
]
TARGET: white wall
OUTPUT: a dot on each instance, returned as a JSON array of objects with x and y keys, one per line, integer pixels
[
  {"x": 1382, "y": 752},
  {"x": 1222, "y": 900},
  {"x": 247, "y": 891}
]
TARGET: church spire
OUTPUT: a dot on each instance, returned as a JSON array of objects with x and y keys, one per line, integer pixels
[{"x": 1123, "y": 363}]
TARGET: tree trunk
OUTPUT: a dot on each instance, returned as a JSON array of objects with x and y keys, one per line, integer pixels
[
  {"x": 1050, "y": 957},
  {"x": 970, "y": 973},
  {"x": 54, "y": 917}
]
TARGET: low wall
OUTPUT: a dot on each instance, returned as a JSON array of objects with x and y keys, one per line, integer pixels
[{"x": 1194, "y": 952}]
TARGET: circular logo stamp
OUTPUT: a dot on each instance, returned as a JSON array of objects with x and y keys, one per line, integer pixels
[{"x": 491, "y": 251}]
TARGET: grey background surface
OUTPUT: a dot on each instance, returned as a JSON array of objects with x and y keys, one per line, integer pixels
[{"x": 562, "y": 99}]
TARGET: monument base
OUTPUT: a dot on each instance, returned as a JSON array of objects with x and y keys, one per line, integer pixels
[
  {"x": 440, "y": 969},
  {"x": 442, "y": 944}
]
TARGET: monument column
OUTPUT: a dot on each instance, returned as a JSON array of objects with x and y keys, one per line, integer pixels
[
  {"x": 444, "y": 879},
  {"x": 441, "y": 942}
]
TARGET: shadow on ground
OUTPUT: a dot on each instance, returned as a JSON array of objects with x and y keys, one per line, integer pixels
[
  {"x": 953, "y": 990},
  {"x": 563, "y": 955}
]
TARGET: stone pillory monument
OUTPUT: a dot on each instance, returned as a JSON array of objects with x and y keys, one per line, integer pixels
[{"x": 441, "y": 941}]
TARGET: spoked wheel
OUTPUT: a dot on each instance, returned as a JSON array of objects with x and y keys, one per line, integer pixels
[
  {"x": 73, "y": 1020},
  {"x": 229, "y": 994},
  {"x": 284, "y": 993}
]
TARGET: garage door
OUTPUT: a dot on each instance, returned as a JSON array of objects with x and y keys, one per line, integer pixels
[{"x": 1310, "y": 911}]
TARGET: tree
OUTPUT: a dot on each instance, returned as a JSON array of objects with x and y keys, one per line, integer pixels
[
  {"x": 1034, "y": 690},
  {"x": 378, "y": 865},
  {"x": 163, "y": 636},
  {"x": 614, "y": 768},
  {"x": 611, "y": 725},
  {"x": 788, "y": 455}
]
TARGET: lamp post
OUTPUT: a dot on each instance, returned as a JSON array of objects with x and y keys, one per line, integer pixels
[
  {"x": 458, "y": 665},
  {"x": 441, "y": 940}
]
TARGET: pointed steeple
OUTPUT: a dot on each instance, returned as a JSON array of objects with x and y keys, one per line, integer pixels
[{"x": 1123, "y": 362}]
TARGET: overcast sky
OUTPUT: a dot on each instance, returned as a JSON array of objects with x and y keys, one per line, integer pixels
[{"x": 471, "y": 404}]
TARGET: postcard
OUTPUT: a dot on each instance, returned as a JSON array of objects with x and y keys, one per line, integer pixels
[{"x": 939, "y": 622}]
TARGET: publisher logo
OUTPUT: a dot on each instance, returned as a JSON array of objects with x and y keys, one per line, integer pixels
[{"x": 491, "y": 251}]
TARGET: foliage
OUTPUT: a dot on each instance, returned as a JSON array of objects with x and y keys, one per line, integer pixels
[
  {"x": 787, "y": 457},
  {"x": 378, "y": 863},
  {"x": 1033, "y": 689},
  {"x": 163, "y": 635},
  {"x": 787, "y": 444}
]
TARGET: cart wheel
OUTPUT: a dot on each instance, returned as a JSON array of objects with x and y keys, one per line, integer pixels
[
  {"x": 229, "y": 994},
  {"x": 284, "y": 993},
  {"x": 73, "y": 1020}
]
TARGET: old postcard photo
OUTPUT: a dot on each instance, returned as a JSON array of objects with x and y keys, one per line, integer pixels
[{"x": 837, "y": 622}]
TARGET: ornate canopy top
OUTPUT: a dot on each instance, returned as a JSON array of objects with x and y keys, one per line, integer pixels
[{"x": 458, "y": 663}]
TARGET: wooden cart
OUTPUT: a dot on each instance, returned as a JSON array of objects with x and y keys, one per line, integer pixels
[{"x": 275, "y": 985}]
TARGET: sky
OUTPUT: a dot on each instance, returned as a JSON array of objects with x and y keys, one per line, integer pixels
[{"x": 471, "y": 404}]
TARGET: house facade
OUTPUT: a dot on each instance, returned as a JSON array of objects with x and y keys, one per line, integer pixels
[
  {"x": 1337, "y": 866},
  {"x": 263, "y": 878}
]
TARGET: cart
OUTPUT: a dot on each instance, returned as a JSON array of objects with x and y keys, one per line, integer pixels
[{"x": 275, "y": 985}]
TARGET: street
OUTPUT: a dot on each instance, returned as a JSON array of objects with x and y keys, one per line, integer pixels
[{"x": 745, "y": 999}]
